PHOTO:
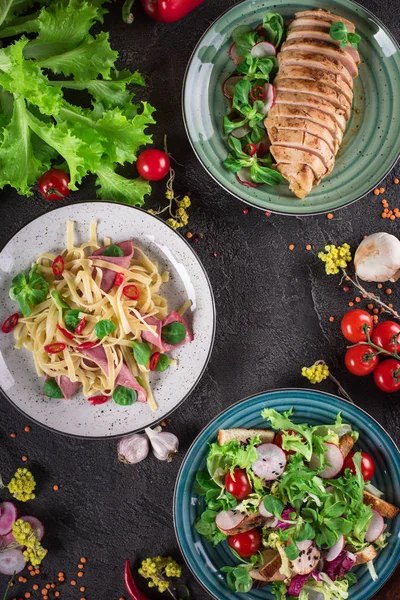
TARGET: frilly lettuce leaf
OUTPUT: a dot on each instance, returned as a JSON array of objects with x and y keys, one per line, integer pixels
[
  {"x": 227, "y": 457},
  {"x": 9, "y": 9},
  {"x": 282, "y": 421},
  {"x": 117, "y": 188}
]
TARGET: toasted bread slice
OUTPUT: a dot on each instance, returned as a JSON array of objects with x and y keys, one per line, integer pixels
[
  {"x": 365, "y": 555},
  {"x": 243, "y": 435},
  {"x": 269, "y": 571},
  {"x": 381, "y": 506},
  {"x": 346, "y": 443}
]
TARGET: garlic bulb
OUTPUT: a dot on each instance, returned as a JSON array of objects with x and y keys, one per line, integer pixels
[
  {"x": 164, "y": 444},
  {"x": 377, "y": 258},
  {"x": 133, "y": 448}
]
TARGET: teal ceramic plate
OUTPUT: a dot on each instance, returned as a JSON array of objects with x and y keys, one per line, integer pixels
[
  {"x": 371, "y": 143},
  {"x": 310, "y": 407}
]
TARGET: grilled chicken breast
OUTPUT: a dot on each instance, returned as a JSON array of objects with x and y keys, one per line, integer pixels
[{"x": 314, "y": 94}]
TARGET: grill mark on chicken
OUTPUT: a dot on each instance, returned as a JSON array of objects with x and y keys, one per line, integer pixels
[
  {"x": 296, "y": 124},
  {"x": 326, "y": 48},
  {"x": 309, "y": 101},
  {"x": 314, "y": 88},
  {"x": 302, "y": 140},
  {"x": 312, "y": 114},
  {"x": 319, "y": 13},
  {"x": 316, "y": 60},
  {"x": 318, "y": 75},
  {"x": 315, "y": 33}
]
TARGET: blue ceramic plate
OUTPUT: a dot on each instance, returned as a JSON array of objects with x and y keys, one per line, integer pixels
[
  {"x": 371, "y": 143},
  {"x": 310, "y": 407}
]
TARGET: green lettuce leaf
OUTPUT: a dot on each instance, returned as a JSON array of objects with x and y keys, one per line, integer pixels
[
  {"x": 227, "y": 457},
  {"x": 116, "y": 188},
  {"x": 9, "y": 9},
  {"x": 283, "y": 421}
]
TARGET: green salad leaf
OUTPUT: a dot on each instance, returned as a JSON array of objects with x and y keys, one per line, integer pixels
[
  {"x": 174, "y": 333},
  {"x": 141, "y": 352},
  {"x": 338, "y": 31},
  {"x": 103, "y": 328},
  {"x": 29, "y": 290},
  {"x": 227, "y": 457},
  {"x": 273, "y": 25},
  {"x": 124, "y": 396},
  {"x": 72, "y": 318},
  {"x": 52, "y": 389},
  {"x": 113, "y": 250}
]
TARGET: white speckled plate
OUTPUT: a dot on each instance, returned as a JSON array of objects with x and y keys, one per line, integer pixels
[{"x": 18, "y": 379}]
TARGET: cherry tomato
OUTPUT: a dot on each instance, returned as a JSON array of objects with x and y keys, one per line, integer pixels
[
  {"x": 247, "y": 543},
  {"x": 278, "y": 439},
  {"x": 53, "y": 185},
  {"x": 153, "y": 164},
  {"x": 353, "y": 324},
  {"x": 367, "y": 465},
  {"x": 238, "y": 485},
  {"x": 361, "y": 360},
  {"x": 385, "y": 335},
  {"x": 387, "y": 375}
]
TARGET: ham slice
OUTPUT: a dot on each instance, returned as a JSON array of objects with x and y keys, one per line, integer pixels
[
  {"x": 155, "y": 337},
  {"x": 108, "y": 276},
  {"x": 67, "y": 387}
]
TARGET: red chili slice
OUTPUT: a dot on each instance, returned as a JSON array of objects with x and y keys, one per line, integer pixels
[
  {"x": 119, "y": 279},
  {"x": 131, "y": 292},
  {"x": 10, "y": 323},
  {"x": 58, "y": 266},
  {"x": 86, "y": 345},
  {"x": 258, "y": 93},
  {"x": 80, "y": 326},
  {"x": 154, "y": 361},
  {"x": 250, "y": 149},
  {"x": 66, "y": 333},
  {"x": 98, "y": 399},
  {"x": 55, "y": 348}
]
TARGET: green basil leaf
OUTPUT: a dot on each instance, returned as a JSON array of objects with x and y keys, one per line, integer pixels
[
  {"x": 52, "y": 389},
  {"x": 124, "y": 396},
  {"x": 58, "y": 299},
  {"x": 113, "y": 251},
  {"x": 141, "y": 352},
  {"x": 72, "y": 318},
  {"x": 274, "y": 506},
  {"x": 174, "y": 333},
  {"x": 103, "y": 328},
  {"x": 292, "y": 551},
  {"x": 354, "y": 39},
  {"x": 163, "y": 363}
]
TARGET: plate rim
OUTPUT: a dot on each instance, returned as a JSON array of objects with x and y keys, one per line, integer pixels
[
  {"x": 214, "y": 320},
  {"x": 235, "y": 404},
  {"x": 275, "y": 211}
]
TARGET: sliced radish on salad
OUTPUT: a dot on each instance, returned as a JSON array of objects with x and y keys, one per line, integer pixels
[
  {"x": 333, "y": 461},
  {"x": 270, "y": 97},
  {"x": 11, "y": 561},
  {"x": 376, "y": 527},
  {"x": 335, "y": 550},
  {"x": 241, "y": 131},
  {"x": 6, "y": 540},
  {"x": 307, "y": 560},
  {"x": 36, "y": 525},
  {"x": 235, "y": 55},
  {"x": 229, "y": 85},
  {"x": 263, "y": 511},
  {"x": 227, "y": 520},
  {"x": 271, "y": 462},
  {"x": 262, "y": 50},
  {"x": 302, "y": 546},
  {"x": 244, "y": 177},
  {"x": 7, "y": 517}
]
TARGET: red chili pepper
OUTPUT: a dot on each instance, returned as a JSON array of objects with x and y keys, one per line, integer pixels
[
  {"x": 119, "y": 279},
  {"x": 131, "y": 292},
  {"x": 130, "y": 584},
  {"x": 250, "y": 149},
  {"x": 58, "y": 266},
  {"x": 10, "y": 323},
  {"x": 80, "y": 326},
  {"x": 98, "y": 399},
  {"x": 261, "y": 150},
  {"x": 55, "y": 348},
  {"x": 169, "y": 11},
  {"x": 154, "y": 361},
  {"x": 66, "y": 333},
  {"x": 257, "y": 93},
  {"x": 86, "y": 345}
]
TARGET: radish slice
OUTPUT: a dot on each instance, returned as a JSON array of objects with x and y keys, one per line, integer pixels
[
  {"x": 36, "y": 525},
  {"x": 229, "y": 85},
  {"x": 335, "y": 550},
  {"x": 263, "y": 49},
  {"x": 11, "y": 561},
  {"x": 235, "y": 56},
  {"x": 376, "y": 526},
  {"x": 271, "y": 462},
  {"x": 263, "y": 511},
  {"x": 8, "y": 517},
  {"x": 334, "y": 459},
  {"x": 6, "y": 540},
  {"x": 263, "y": 146},
  {"x": 228, "y": 519},
  {"x": 303, "y": 546},
  {"x": 269, "y": 97},
  {"x": 244, "y": 177},
  {"x": 240, "y": 132}
]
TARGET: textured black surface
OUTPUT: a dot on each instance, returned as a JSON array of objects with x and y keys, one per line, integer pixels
[{"x": 273, "y": 308}]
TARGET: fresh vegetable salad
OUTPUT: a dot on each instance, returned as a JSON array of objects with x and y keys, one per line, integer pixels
[{"x": 296, "y": 507}]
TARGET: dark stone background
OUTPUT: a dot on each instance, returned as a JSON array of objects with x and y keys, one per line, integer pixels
[{"x": 273, "y": 310}]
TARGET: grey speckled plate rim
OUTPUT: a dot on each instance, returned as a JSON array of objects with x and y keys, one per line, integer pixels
[
  {"x": 278, "y": 212},
  {"x": 289, "y": 389},
  {"x": 152, "y": 424}
]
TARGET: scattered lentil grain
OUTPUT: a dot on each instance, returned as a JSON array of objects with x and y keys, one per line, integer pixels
[
  {"x": 330, "y": 216},
  {"x": 291, "y": 246}
]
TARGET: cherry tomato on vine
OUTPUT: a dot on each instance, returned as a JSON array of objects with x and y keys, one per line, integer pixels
[
  {"x": 361, "y": 360},
  {"x": 238, "y": 485},
  {"x": 387, "y": 375},
  {"x": 367, "y": 465},
  {"x": 53, "y": 185},
  {"x": 247, "y": 543},
  {"x": 354, "y": 323},
  {"x": 385, "y": 335},
  {"x": 278, "y": 440},
  {"x": 153, "y": 164}
]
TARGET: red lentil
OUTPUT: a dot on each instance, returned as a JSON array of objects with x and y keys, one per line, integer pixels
[
  {"x": 330, "y": 216},
  {"x": 291, "y": 246}
]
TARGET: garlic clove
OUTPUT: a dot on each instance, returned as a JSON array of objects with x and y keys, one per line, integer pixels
[
  {"x": 377, "y": 258},
  {"x": 133, "y": 448},
  {"x": 164, "y": 444}
]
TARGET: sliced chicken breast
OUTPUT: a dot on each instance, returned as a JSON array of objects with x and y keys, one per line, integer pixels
[
  {"x": 319, "y": 75},
  {"x": 300, "y": 33},
  {"x": 314, "y": 88},
  {"x": 322, "y": 47},
  {"x": 300, "y": 157},
  {"x": 310, "y": 114},
  {"x": 302, "y": 125},
  {"x": 306, "y": 142},
  {"x": 325, "y": 15},
  {"x": 307, "y": 100},
  {"x": 300, "y": 177},
  {"x": 310, "y": 22},
  {"x": 314, "y": 60}
]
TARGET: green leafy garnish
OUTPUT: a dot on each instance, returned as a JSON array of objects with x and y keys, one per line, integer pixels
[
  {"x": 273, "y": 505},
  {"x": 174, "y": 333},
  {"x": 274, "y": 27},
  {"x": 338, "y": 31},
  {"x": 59, "y": 300},
  {"x": 238, "y": 578},
  {"x": 28, "y": 290},
  {"x": 124, "y": 396},
  {"x": 163, "y": 363},
  {"x": 113, "y": 251},
  {"x": 103, "y": 328},
  {"x": 72, "y": 318},
  {"x": 52, "y": 389},
  {"x": 216, "y": 501},
  {"x": 141, "y": 352}
]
